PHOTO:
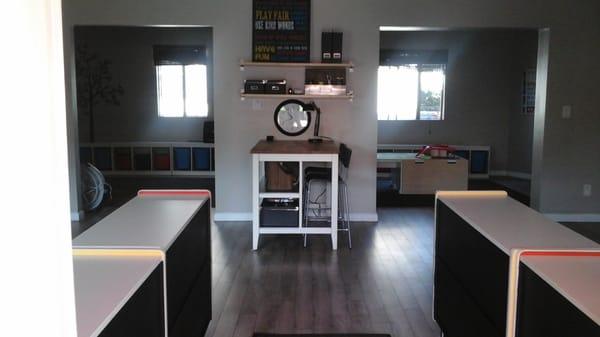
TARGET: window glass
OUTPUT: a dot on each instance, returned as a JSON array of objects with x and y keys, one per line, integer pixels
[
  {"x": 170, "y": 90},
  {"x": 196, "y": 97},
  {"x": 410, "y": 92}
]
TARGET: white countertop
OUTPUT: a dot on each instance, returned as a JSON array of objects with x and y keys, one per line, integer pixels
[
  {"x": 149, "y": 222},
  {"x": 511, "y": 225},
  {"x": 575, "y": 278},
  {"x": 103, "y": 284}
]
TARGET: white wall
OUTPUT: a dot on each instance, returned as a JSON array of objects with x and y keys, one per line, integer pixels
[
  {"x": 483, "y": 92},
  {"x": 574, "y": 29},
  {"x": 36, "y": 287},
  {"x": 130, "y": 51}
]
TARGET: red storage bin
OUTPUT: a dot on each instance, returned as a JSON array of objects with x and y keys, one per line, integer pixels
[{"x": 161, "y": 159}]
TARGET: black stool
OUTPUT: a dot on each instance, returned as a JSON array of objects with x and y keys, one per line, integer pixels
[{"x": 322, "y": 175}]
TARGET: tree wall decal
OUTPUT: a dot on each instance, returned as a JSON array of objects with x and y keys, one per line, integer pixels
[{"x": 94, "y": 83}]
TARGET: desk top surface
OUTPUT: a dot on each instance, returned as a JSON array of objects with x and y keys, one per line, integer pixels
[
  {"x": 103, "y": 284},
  {"x": 147, "y": 222},
  {"x": 296, "y": 147},
  {"x": 511, "y": 225},
  {"x": 399, "y": 156},
  {"x": 575, "y": 278}
]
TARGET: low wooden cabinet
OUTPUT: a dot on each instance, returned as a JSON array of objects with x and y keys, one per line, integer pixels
[{"x": 413, "y": 175}]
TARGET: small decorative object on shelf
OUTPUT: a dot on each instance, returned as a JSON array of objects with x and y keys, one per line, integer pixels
[
  {"x": 254, "y": 86},
  {"x": 273, "y": 87},
  {"x": 331, "y": 47},
  {"x": 325, "y": 82}
]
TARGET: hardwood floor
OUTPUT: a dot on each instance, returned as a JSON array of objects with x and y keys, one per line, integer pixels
[{"x": 382, "y": 285}]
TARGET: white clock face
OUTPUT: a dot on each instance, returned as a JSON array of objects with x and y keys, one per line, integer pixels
[{"x": 292, "y": 119}]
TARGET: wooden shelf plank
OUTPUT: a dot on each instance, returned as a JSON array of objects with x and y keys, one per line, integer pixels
[
  {"x": 348, "y": 96},
  {"x": 279, "y": 195},
  {"x": 295, "y": 65}
]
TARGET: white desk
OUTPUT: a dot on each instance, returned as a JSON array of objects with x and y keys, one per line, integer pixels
[
  {"x": 414, "y": 175},
  {"x": 511, "y": 225},
  {"x": 151, "y": 222},
  {"x": 301, "y": 152},
  {"x": 175, "y": 225},
  {"x": 576, "y": 278},
  {"x": 103, "y": 284},
  {"x": 480, "y": 239}
]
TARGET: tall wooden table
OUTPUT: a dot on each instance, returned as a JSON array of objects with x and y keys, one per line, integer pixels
[{"x": 302, "y": 152}]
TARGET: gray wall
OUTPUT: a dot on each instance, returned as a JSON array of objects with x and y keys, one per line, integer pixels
[
  {"x": 483, "y": 92},
  {"x": 129, "y": 49},
  {"x": 520, "y": 127},
  {"x": 573, "y": 57}
]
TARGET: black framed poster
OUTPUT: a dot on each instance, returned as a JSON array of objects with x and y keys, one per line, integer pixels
[{"x": 281, "y": 31}]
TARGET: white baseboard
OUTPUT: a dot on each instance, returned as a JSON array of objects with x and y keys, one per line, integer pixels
[
  {"x": 364, "y": 217},
  {"x": 514, "y": 174},
  {"x": 233, "y": 216},
  {"x": 244, "y": 216},
  {"x": 574, "y": 217}
]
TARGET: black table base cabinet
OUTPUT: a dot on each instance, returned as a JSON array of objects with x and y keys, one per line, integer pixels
[
  {"x": 471, "y": 289},
  {"x": 542, "y": 311},
  {"x": 188, "y": 274},
  {"x": 469, "y": 298},
  {"x": 143, "y": 314}
]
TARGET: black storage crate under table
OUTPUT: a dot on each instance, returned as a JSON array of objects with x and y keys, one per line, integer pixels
[{"x": 279, "y": 213}]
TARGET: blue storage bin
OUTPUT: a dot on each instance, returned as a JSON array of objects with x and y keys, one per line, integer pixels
[
  {"x": 201, "y": 156},
  {"x": 103, "y": 158},
  {"x": 182, "y": 158},
  {"x": 479, "y": 162}
]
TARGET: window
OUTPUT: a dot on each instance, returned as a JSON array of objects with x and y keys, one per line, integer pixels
[
  {"x": 409, "y": 89},
  {"x": 181, "y": 81},
  {"x": 182, "y": 90}
]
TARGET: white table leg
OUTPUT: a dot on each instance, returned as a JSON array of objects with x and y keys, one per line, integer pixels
[
  {"x": 334, "y": 201},
  {"x": 255, "y": 201}
]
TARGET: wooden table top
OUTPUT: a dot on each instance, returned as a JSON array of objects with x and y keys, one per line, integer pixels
[{"x": 296, "y": 147}]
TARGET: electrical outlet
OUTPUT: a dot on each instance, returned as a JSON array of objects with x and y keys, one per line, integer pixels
[
  {"x": 587, "y": 190},
  {"x": 257, "y": 104},
  {"x": 566, "y": 111}
]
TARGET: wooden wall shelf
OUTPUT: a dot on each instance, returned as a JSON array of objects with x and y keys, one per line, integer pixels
[{"x": 268, "y": 96}]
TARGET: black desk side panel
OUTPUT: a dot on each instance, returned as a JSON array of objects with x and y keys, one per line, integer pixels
[
  {"x": 143, "y": 314},
  {"x": 471, "y": 279},
  {"x": 543, "y": 312},
  {"x": 187, "y": 261}
]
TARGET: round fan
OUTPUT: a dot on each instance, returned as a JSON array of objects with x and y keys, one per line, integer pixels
[{"x": 94, "y": 187}]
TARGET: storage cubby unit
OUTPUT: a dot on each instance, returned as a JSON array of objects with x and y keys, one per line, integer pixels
[
  {"x": 122, "y": 157},
  {"x": 151, "y": 158}
]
